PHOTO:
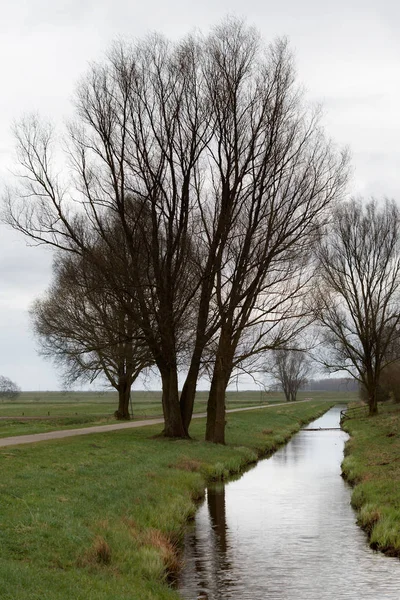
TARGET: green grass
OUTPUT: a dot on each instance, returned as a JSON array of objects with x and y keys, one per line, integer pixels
[
  {"x": 58, "y": 410},
  {"x": 372, "y": 465},
  {"x": 144, "y": 403},
  {"x": 102, "y": 517}
]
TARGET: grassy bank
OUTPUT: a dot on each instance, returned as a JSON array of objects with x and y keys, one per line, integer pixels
[
  {"x": 372, "y": 465},
  {"x": 102, "y": 517}
]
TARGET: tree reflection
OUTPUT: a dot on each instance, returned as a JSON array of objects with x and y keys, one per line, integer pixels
[
  {"x": 217, "y": 511},
  {"x": 208, "y": 556}
]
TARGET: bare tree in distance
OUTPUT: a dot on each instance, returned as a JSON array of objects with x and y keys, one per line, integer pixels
[
  {"x": 357, "y": 299},
  {"x": 8, "y": 389},
  {"x": 211, "y": 137},
  {"x": 291, "y": 369},
  {"x": 83, "y": 326}
]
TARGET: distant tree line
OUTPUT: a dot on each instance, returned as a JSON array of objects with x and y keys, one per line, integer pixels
[
  {"x": 199, "y": 225},
  {"x": 332, "y": 384}
]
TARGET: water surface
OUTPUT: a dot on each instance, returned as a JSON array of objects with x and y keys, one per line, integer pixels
[{"x": 286, "y": 531}]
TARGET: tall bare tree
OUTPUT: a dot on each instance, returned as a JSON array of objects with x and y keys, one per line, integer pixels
[
  {"x": 358, "y": 296},
  {"x": 274, "y": 178},
  {"x": 140, "y": 130},
  {"x": 291, "y": 369}
]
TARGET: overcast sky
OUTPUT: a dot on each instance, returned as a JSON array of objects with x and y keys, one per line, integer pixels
[{"x": 347, "y": 56}]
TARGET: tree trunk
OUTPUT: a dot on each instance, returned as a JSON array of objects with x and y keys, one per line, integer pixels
[
  {"x": 215, "y": 428},
  {"x": 372, "y": 403},
  {"x": 173, "y": 423},
  {"x": 188, "y": 393},
  {"x": 124, "y": 391},
  {"x": 372, "y": 388},
  {"x": 202, "y": 336}
]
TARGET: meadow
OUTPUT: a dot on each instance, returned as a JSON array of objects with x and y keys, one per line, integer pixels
[
  {"x": 102, "y": 517},
  {"x": 39, "y": 412}
]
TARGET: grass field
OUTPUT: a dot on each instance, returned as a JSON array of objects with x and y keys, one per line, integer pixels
[
  {"x": 372, "y": 465},
  {"x": 59, "y": 410},
  {"x": 102, "y": 517}
]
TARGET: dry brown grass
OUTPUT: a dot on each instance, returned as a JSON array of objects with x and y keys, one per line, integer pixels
[
  {"x": 132, "y": 527},
  {"x": 103, "y": 524},
  {"x": 188, "y": 464},
  {"x": 168, "y": 550},
  {"x": 98, "y": 554},
  {"x": 369, "y": 518}
]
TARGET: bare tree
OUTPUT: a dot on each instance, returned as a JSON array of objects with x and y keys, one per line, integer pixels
[
  {"x": 274, "y": 177},
  {"x": 291, "y": 369},
  {"x": 82, "y": 325},
  {"x": 233, "y": 177},
  {"x": 140, "y": 130},
  {"x": 358, "y": 296},
  {"x": 8, "y": 389}
]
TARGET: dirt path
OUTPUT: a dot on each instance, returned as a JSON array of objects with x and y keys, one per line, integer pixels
[{"x": 16, "y": 440}]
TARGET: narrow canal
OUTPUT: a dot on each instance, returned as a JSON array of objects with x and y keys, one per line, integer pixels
[{"x": 286, "y": 531}]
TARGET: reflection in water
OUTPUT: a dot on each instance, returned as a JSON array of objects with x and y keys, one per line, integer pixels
[
  {"x": 212, "y": 565},
  {"x": 216, "y": 509},
  {"x": 285, "y": 530}
]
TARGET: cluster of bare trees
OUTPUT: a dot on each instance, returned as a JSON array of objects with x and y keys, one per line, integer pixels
[{"x": 195, "y": 187}]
